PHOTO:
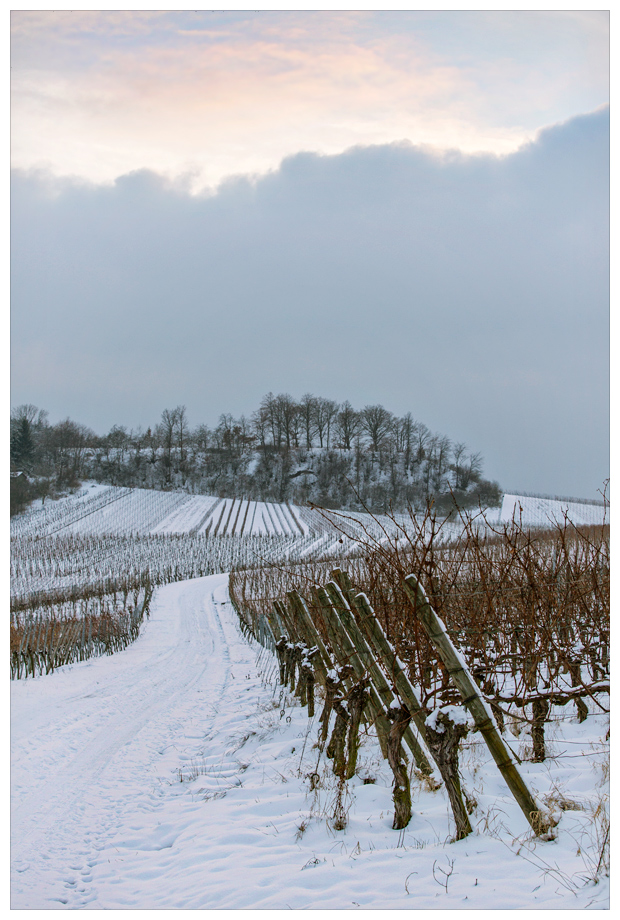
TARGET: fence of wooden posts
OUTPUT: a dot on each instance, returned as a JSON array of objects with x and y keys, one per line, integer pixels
[{"x": 335, "y": 638}]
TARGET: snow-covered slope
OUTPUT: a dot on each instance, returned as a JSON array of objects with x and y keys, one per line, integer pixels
[
  {"x": 176, "y": 774},
  {"x": 97, "y": 509},
  {"x": 546, "y": 512}
]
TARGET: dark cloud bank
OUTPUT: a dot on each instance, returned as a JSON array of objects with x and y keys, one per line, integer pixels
[{"x": 472, "y": 291}]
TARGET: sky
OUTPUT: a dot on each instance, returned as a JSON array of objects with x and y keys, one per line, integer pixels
[{"x": 406, "y": 208}]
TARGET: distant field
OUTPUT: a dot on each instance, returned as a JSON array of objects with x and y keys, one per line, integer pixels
[
  {"x": 99, "y": 509},
  {"x": 543, "y": 512},
  {"x": 105, "y": 535}
]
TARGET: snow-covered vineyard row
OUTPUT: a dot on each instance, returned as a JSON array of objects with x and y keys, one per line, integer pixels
[
  {"x": 93, "y": 562},
  {"x": 105, "y": 533},
  {"x": 544, "y": 512},
  {"x": 111, "y": 509}
]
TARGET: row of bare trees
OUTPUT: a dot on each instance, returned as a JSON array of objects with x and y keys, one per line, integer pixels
[{"x": 314, "y": 449}]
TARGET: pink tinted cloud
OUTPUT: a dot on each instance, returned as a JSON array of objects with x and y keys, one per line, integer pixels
[{"x": 240, "y": 96}]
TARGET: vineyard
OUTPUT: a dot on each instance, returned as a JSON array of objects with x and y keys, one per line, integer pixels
[
  {"x": 470, "y": 656},
  {"x": 507, "y": 627},
  {"x": 77, "y": 562},
  {"x": 94, "y": 548}
]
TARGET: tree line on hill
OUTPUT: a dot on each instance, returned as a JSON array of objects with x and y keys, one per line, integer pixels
[{"x": 311, "y": 450}]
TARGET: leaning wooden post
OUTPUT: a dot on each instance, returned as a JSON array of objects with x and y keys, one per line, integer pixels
[
  {"x": 382, "y": 687},
  {"x": 293, "y": 648},
  {"x": 367, "y": 620},
  {"x": 473, "y": 700},
  {"x": 277, "y": 627},
  {"x": 321, "y": 661},
  {"x": 287, "y": 621},
  {"x": 347, "y": 653},
  {"x": 357, "y": 700},
  {"x": 323, "y": 606},
  {"x": 306, "y": 652}
]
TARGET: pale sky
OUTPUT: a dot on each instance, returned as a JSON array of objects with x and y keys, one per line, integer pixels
[
  {"x": 98, "y": 94},
  {"x": 408, "y": 208}
]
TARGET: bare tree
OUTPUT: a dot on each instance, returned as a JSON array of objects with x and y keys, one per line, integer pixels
[
  {"x": 347, "y": 424},
  {"x": 307, "y": 409},
  {"x": 472, "y": 470},
  {"x": 166, "y": 431},
  {"x": 325, "y": 411},
  {"x": 182, "y": 432},
  {"x": 25, "y": 411},
  {"x": 438, "y": 463},
  {"x": 272, "y": 418},
  {"x": 66, "y": 445},
  {"x": 259, "y": 426},
  {"x": 377, "y": 423},
  {"x": 287, "y": 411},
  {"x": 458, "y": 455}
]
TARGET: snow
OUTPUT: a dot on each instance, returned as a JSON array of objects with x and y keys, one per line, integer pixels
[
  {"x": 191, "y": 516},
  {"x": 456, "y": 714},
  {"x": 546, "y": 512},
  {"x": 178, "y": 774}
]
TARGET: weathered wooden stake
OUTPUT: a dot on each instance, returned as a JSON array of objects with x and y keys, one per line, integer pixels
[
  {"x": 367, "y": 660},
  {"x": 346, "y": 652},
  {"x": 539, "y": 821},
  {"x": 365, "y": 616},
  {"x": 357, "y": 699}
]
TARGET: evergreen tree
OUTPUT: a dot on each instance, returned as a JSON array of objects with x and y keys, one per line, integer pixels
[{"x": 22, "y": 445}]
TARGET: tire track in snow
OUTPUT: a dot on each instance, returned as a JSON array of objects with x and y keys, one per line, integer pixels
[{"x": 94, "y": 742}]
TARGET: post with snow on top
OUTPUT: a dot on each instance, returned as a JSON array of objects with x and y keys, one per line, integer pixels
[{"x": 473, "y": 700}]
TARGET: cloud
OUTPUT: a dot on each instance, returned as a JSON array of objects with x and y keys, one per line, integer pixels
[
  {"x": 98, "y": 94},
  {"x": 470, "y": 290}
]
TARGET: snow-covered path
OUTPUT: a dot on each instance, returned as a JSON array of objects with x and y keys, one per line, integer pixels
[
  {"x": 176, "y": 775},
  {"x": 92, "y": 744}
]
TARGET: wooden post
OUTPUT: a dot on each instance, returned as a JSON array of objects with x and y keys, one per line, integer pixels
[
  {"x": 368, "y": 662},
  {"x": 323, "y": 603},
  {"x": 367, "y": 620},
  {"x": 321, "y": 661},
  {"x": 357, "y": 701},
  {"x": 286, "y": 620},
  {"x": 347, "y": 654},
  {"x": 275, "y": 622},
  {"x": 473, "y": 700}
]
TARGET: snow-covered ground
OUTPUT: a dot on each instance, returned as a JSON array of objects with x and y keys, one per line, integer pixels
[
  {"x": 546, "y": 512},
  {"x": 98, "y": 509},
  {"x": 176, "y": 775}
]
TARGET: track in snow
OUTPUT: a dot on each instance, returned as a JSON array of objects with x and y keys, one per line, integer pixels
[{"x": 96, "y": 743}]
